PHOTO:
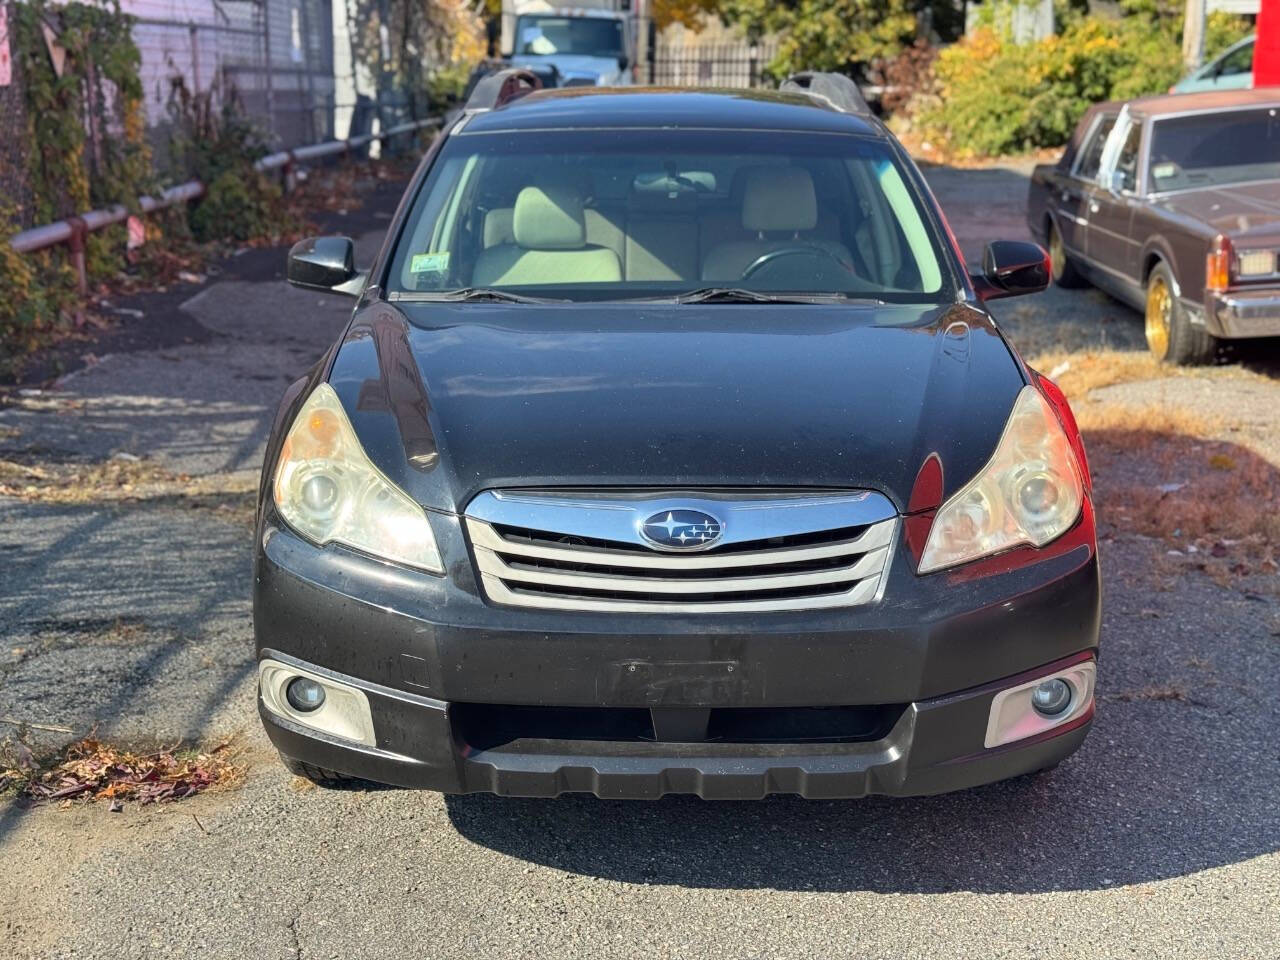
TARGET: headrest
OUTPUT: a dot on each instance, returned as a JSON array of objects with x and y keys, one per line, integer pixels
[
  {"x": 779, "y": 198},
  {"x": 738, "y": 187},
  {"x": 498, "y": 227},
  {"x": 549, "y": 218}
]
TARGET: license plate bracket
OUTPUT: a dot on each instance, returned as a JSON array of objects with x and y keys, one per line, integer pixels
[{"x": 681, "y": 683}]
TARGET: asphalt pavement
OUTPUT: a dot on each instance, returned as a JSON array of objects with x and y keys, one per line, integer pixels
[{"x": 1160, "y": 838}]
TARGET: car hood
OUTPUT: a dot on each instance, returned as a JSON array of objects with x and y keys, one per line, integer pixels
[
  {"x": 451, "y": 399},
  {"x": 1247, "y": 213}
]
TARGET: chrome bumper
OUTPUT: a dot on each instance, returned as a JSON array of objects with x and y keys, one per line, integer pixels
[{"x": 1245, "y": 313}]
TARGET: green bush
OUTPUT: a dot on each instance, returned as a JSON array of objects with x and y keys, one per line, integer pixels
[
  {"x": 69, "y": 170},
  {"x": 997, "y": 97},
  {"x": 39, "y": 290},
  {"x": 237, "y": 206},
  {"x": 216, "y": 143}
]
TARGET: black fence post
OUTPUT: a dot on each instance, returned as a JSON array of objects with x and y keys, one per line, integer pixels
[{"x": 651, "y": 52}]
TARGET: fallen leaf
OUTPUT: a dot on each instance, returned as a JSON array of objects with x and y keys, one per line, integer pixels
[{"x": 1220, "y": 461}]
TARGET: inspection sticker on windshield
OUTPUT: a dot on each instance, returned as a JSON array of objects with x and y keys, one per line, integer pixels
[{"x": 429, "y": 263}]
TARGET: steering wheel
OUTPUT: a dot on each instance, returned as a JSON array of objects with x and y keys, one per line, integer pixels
[{"x": 797, "y": 250}]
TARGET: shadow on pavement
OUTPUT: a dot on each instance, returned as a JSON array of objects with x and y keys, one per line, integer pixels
[
  {"x": 1060, "y": 830},
  {"x": 1179, "y": 774},
  {"x": 193, "y": 381}
]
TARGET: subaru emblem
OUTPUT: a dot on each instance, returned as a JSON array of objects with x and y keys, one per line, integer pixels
[{"x": 681, "y": 530}]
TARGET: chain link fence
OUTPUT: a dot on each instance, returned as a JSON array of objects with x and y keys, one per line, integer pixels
[
  {"x": 276, "y": 56},
  {"x": 291, "y": 64}
]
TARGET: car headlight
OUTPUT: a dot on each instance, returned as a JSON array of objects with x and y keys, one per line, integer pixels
[
  {"x": 1030, "y": 491},
  {"x": 328, "y": 490}
]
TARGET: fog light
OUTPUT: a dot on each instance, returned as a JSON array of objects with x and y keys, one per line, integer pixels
[
  {"x": 304, "y": 694},
  {"x": 321, "y": 702},
  {"x": 1051, "y": 697},
  {"x": 1041, "y": 705}
]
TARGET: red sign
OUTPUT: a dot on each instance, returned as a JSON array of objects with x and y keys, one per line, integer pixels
[
  {"x": 1266, "y": 50},
  {"x": 6, "y": 65},
  {"x": 137, "y": 233}
]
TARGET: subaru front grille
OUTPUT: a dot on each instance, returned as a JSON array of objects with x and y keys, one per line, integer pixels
[{"x": 675, "y": 553}]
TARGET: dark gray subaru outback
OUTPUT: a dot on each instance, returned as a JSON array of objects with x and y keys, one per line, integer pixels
[{"x": 671, "y": 449}]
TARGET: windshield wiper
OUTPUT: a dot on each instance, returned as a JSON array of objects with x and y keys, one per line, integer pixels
[
  {"x": 743, "y": 295},
  {"x": 469, "y": 294}
]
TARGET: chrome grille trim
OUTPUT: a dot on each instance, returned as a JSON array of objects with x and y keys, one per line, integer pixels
[
  {"x": 519, "y": 570},
  {"x": 484, "y": 537}
]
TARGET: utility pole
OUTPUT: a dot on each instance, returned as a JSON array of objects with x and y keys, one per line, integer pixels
[
  {"x": 1193, "y": 34},
  {"x": 384, "y": 66},
  {"x": 267, "y": 52}
]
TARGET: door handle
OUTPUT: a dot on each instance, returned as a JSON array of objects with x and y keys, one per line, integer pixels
[{"x": 1093, "y": 206}]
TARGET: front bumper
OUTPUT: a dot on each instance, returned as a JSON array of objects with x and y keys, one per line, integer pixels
[
  {"x": 1244, "y": 313},
  {"x": 423, "y": 649},
  {"x": 927, "y": 751}
]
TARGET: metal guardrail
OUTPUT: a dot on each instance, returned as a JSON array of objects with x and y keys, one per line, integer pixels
[{"x": 73, "y": 230}]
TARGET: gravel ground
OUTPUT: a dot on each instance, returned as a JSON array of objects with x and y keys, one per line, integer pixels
[{"x": 1160, "y": 838}]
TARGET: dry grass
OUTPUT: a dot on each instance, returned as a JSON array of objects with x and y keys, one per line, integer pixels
[
  {"x": 1114, "y": 424},
  {"x": 336, "y": 189},
  {"x": 115, "y": 479},
  {"x": 1163, "y": 470},
  {"x": 1160, "y": 472},
  {"x": 343, "y": 188},
  {"x": 1079, "y": 372}
]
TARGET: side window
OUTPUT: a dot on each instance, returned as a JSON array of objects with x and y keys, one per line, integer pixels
[
  {"x": 1236, "y": 62},
  {"x": 1127, "y": 159},
  {"x": 1091, "y": 154}
]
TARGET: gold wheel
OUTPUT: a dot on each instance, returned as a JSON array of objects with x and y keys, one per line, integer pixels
[
  {"x": 1057, "y": 254},
  {"x": 1159, "y": 316}
]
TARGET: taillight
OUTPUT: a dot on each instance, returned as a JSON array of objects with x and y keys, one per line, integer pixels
[{"x": 1217, "y": 265}]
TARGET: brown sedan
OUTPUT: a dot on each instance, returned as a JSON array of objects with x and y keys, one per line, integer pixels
[{"x": 1172, "y": 204}]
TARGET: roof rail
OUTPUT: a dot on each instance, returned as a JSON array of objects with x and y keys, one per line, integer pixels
[
  {"x": 835, "y": 88},
  {"x": 502, "y": 87}
]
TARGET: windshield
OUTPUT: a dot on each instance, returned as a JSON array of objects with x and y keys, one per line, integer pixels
[
  {"x": 1215, "y": 149},
  {"x": 627, "y": 214},
  {"x": 584, "y": 36}
]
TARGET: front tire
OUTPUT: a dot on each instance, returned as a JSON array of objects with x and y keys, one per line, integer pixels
[
  {"x": 1170, "y": 336},
  {"x": 319, "y": 775},
  {"x": 1063, "y": 270}
]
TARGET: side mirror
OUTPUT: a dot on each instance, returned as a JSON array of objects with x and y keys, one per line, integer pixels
[
  {"x": 1011, "y": 268},
  {"x": 327, "y": 264},
  {"x": 623, "y": 62}
]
